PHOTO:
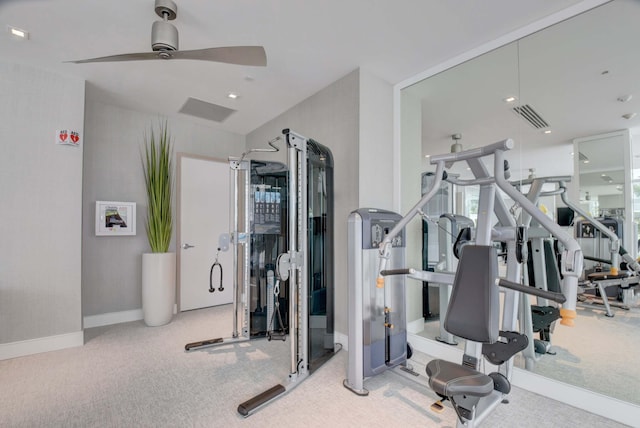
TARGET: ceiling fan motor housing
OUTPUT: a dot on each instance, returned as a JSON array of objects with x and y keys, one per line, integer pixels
[{"x": 164, "y": 36}]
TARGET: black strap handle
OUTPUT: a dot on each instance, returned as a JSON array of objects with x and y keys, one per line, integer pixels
[{"x": 220, "y": 287}]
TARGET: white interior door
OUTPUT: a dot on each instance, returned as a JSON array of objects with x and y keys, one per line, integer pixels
[{"x": 204, "y": 215}]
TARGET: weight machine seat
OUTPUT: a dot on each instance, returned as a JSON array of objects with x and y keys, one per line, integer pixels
[
  {"x": 472, "y": 314},
  {"x": 449, "y": 379}
]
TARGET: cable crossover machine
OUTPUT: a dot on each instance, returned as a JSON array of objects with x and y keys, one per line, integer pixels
[{"x": 282, "y": 243}]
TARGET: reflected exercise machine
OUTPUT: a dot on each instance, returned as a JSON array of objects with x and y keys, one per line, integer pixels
[{"x": 597, "y": 237}]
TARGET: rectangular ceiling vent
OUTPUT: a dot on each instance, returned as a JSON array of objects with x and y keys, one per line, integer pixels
[
  {"x": 205, "y": 110},
  {"x": 530, "y": 115}
]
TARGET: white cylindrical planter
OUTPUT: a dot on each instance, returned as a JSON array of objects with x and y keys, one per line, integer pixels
[{"x": 158, "y": 288}]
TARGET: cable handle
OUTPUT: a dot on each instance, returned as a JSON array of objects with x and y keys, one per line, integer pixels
[{"x": 213, "y": 266}]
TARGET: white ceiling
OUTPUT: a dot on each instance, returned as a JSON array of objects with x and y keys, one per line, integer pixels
[{"x": 309, "y": 44}]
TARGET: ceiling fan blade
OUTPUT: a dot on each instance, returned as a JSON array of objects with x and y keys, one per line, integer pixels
[
  {"x": 122, "y": 57},
  {"x": 240, "y": 55}
]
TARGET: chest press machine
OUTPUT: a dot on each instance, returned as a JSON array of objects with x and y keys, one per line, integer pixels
[{"x": 474, "y": 308}]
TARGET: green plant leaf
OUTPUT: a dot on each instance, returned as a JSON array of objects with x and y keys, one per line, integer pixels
[{"x": 158, "y": 176}]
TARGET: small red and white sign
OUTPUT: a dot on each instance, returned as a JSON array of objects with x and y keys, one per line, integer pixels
[{"x": 68, "y": 137}]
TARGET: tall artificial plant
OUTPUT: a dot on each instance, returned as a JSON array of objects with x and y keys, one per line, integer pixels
[{"x": 158, "y": 172}]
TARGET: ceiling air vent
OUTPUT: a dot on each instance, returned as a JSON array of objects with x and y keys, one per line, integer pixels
[
  {"x": 205, "y": 110},
  {"x": 530, "y": 115}
]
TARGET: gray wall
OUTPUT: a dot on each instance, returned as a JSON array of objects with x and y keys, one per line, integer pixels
[
  {"x": 337, "y": 117},
  {"x": 111, "y": 266},
  {"x": 40, "y": 212},
  {"x": 375, "y": 142}
]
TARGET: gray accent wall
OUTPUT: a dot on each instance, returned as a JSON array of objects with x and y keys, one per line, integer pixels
[
  {"x": 111, "y": 266},
  {"x": 336, "y": 117},
  {"x": 40, "y": 204}
]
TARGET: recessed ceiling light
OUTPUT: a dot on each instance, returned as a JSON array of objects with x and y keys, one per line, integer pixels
[
  {"x": 510, "y": 99},
  {"x": 547, "y": 131},
  {"x": 18, "y": 33},
  {"x": 427, "y": 156},
  {"x": 232, "y": 95},
  {"x": 625, "y": 98},
  {"x": 629, "y": 115}
]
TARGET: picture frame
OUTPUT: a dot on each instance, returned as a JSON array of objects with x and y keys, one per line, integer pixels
[{"x": 115, "y": 218}]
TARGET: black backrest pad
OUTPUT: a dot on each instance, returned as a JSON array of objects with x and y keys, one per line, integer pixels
[{"x": 474, "y": 307}]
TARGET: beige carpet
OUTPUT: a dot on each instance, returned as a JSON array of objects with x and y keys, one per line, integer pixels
[{"x": 130, "y": 375}]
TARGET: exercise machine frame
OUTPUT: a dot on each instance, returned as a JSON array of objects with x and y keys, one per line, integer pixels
[{"x": 571, "y": 262}]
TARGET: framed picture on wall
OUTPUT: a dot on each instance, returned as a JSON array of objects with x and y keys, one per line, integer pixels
[{"x": 115, "y": 218}]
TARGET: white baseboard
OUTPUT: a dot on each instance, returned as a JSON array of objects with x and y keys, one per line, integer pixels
[
  {"x": 611, "y": 408},
  {"x": 112, "y": 318},
  {"x": 41, "y": 344},
  {"x": 415, "y": 326},
  {"x": 342, "y": 339}
]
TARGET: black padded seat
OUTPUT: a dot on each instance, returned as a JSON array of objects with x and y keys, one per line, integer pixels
[{"x": 449, "y": 379}]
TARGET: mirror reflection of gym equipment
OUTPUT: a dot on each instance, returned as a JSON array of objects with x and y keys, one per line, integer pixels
[
  {"x": 529, "y": 70},
  {"x": 282, "y": 239}
]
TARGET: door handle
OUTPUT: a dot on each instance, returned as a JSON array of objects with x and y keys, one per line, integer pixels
[{"x": 187, "y": 246}]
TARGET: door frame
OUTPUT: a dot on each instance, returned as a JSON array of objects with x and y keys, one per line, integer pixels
[{"x": 179, "y": 157}]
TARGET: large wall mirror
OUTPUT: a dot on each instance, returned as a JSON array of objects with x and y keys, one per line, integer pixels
[{"x": 568, "y": 91}]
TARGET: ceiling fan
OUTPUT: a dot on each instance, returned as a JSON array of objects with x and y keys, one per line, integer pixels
[{"x": 164, "y": 42}]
